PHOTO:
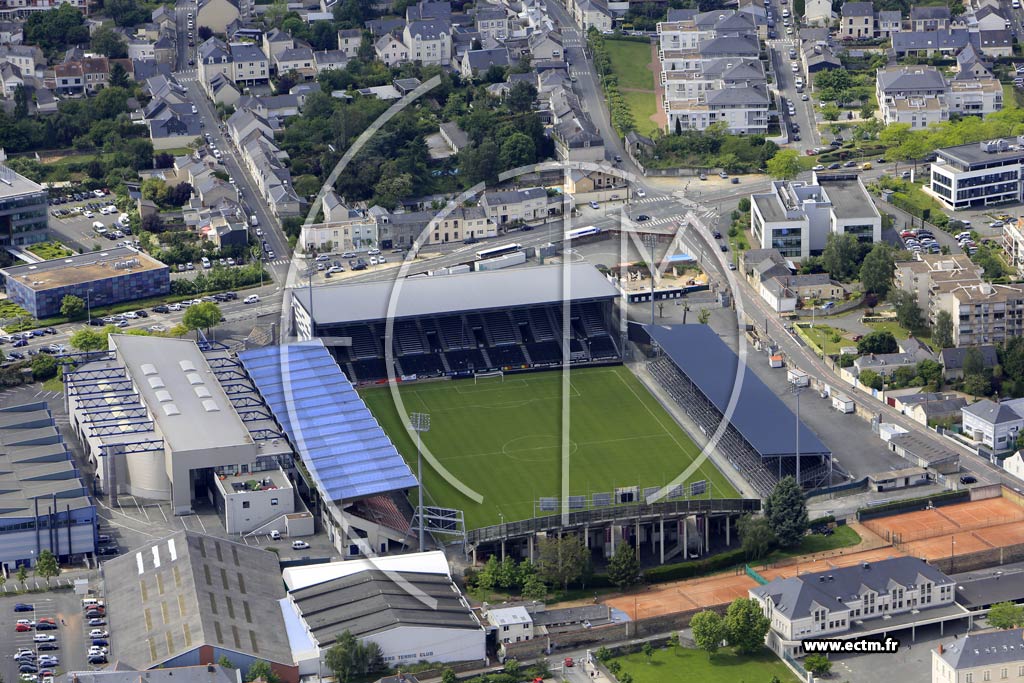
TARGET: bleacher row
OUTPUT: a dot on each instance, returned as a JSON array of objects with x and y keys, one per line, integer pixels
[
  {"x": 707, "y": 416},
  {"x": 476, "y": 342}
]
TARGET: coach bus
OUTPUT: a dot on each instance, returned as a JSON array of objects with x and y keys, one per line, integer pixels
[
  {"x": 497, "y": 251},
  {"x": 576, "y": 233}
]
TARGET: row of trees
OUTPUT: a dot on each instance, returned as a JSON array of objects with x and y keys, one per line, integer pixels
[{"x": 619, "y": 110}]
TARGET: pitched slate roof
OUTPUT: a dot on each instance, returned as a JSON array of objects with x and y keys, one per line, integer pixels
[
  {"x": 991, "y": 412},
  {"x": 990, "y": 648}
]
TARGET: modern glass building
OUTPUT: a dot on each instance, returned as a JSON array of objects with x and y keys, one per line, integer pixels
[{"x": 23, "y": 210}]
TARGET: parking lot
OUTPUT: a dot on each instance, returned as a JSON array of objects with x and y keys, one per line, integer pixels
[
  {"x": 75, "y": 220},
  {"x": 65, "y": 609}
]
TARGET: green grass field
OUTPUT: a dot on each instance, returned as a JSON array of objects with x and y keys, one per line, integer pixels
[
  {"x": 630, "y": 62},
  {"x": 502, "y": 439},
  {"x": 725, "y": 666}
]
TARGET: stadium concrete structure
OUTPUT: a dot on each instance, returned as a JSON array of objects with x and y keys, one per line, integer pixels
[
  {"x": 163, "y": 419},
  {"x": 762, "y": 441},
  {"x": 458, "y": 325}
]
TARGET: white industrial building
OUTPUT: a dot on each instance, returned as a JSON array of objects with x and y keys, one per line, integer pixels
[
  {"x": 407, "y": 604},
  {"x": 163, "y": 419},
  {"x": 796, "y": 217}
]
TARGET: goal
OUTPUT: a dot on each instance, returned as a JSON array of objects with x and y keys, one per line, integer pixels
[{"x": 494, "y": 374}]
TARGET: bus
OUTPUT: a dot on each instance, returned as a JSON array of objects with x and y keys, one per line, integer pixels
[
  {"x": 497, "y": 251},
  {"x": 576, "y": 233}
]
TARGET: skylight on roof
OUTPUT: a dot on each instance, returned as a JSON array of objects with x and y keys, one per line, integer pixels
[
  {"x": 148, "y": 369},
  {"x": 210, "y": 405},
  {"x": 194, "y": 378},
  {"x": 156, "y": 383},
  {"x": 171, "y": 409},
  {"x": 187, "y": 365},
  {"x": 163, "y": 396},
  {"x": 202, "y": 392}
]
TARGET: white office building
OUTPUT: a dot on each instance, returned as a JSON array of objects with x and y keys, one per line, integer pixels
[{"x": 978, "y": 174}]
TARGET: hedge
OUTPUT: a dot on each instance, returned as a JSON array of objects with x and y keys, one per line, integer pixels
[
  {"x": 912, "y": 504},
  {"x": 688, "y": 570}
]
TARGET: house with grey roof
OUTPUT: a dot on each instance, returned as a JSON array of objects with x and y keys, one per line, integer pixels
[
  {"x": 929, "y": 18},
  {"x": 929, "y": 43},
  {"x": 574, "y": 133},
  {"x": 858, "y": 21},
  {"x": 994, "y": 424},
  {"x": 889, "y": 22},
  {"x": 504, "y": 206},
  {"x": 349, "y": 41},
  {"x": 476, "y": 62},
  {"x": 953, "y": 359},
  {"x": 923, "y": 95},
  {"x": 454, "y": 136},
  {"x": 830, "y": 603},
  {"x": 429, "y": 41},
  {"x": 979, "y": 656}
]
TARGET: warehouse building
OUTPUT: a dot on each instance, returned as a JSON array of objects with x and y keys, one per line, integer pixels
[
  {"x": 43, "y": 503},
  {"x": 191, "y": 599},
  {"x": 408, "y": 605},
  {"x": 98, "y": 278},
  {"x": 164, "y": 419}
]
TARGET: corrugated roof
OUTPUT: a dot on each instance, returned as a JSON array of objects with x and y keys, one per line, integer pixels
[
  {"x": 712, "y": 366},
  {"x": 340, "y": 442}
]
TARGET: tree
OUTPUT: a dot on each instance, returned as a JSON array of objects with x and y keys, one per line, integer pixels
[
  {"x": 756, "y": 536},
  {"x": 624, "y": 568},
  {"x": 203, "y": 316},
  {"x": 87, "y": 340},
  {"x": 521, "y": 96},
  {"x": 908, "y": 313},
  {"x": 72, "y": 307},
  {"x": 708, "y": 631},
  {"x": 673, "y": 640},
  {"x": 879, "y": 341},
  {"x": 448, "y": 676},
  {"x": 785, "y": 165},
  {"x": 830, "y": 112},
  {"x": 225, "y": 662},
  {"x": 703, "y": 316},
  {"x": 179, "y": 194},
  {"x": 942, "y": 334},
  {"x": 23, "y": 576},
  {"x": 44, "y": 366},
  {"x": 746, "y": 625},
  {"x": 534, "y": 588},
  {"x": 1006, "y": 615},
  {"x": 977, "y": 385},
  {"x": 818, "y": 664},
  {"x": 348, "y": 658},
  {"x": 109, "y": 42},
  {"x": 126, "y": 12},
  {"x": 118, "y": 76},
  {"x": 626, "y": 677},
  {"x": 648, "y": 650},
  {"x": 786, "y": 511},
  {"x": 152, "y": 223},
  {"x": 20, "y": 101},
  {"x": 871, "y": 379},
  {"x": 562, "y": 559},
  {"x": 877, "y": 269},
  {"x": 47, "y": 566},
  {"x": 512, "y": 667},
  {"x": 487, "y": 577},
  {"x": 155, "y": 190},
  {"x": 517, "y": 150},
  {"x": 204, "y": 33},
  {"x": 974, "y": 362},
  {"x": 261, "y": 669},
  {"x": 841, "y": 256}
]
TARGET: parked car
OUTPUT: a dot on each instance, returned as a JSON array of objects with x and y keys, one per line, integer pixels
[
  {"x": 299, "y": 545},
  {"x": 43, "y": 637},
  {"x": 24, "y": 607}
]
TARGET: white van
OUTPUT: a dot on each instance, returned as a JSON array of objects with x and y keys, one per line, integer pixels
[
  {"x": 253, "y": 221},
  {"x": 99, "y": 227},
  {"x": 123, "y": 220},
  {"x": 206, "y": 263}
]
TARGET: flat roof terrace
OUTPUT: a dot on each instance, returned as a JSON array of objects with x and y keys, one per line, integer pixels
[{"x": 82, "y": 268}]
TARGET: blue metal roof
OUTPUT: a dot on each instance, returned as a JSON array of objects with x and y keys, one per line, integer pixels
[
  {"x": 760, "y": 416},
  {"x": 340, "y": 442}
]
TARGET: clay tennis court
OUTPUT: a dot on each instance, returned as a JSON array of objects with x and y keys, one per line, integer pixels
[{"x": 951, "y": 519}]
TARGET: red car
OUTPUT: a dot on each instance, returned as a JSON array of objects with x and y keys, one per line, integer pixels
[
  {"x": 22, "y": 628},
  {"x": 569, "y": 662},
  {"x": 46, "y": 620}
]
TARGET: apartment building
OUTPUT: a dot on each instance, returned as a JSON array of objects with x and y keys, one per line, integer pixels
[
  {"x": 429, "y": 41},
  {"x": 922, "y": 95},
  {"x": 983, "y": 313},
  {"x": 10, "y": 9},
  {"x": 504, "y": 206},
  {"x": 249, "y": 64},
  {"x": 1013, "y": 244},
  {"x": 711, "y": 71},
  {"x": 978, "y": 174},
  {"x": 928, "y": 274},
  {"x": 796, "y": 217},
  {"x": 827, "y": 603}
]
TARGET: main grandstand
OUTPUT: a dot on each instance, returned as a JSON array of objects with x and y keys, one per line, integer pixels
[
  {"x": 698, "y": 370},
  {"x": 459, "y": 325}
]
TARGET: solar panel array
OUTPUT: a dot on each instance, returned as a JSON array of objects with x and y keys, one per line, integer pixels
[{"x": 327, "y": 422}]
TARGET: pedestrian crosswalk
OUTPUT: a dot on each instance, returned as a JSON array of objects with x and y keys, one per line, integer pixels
[
  {"x": 709, "y": 213},
  {"x": 651, "y": 199},
  {"x": 278, "y": 262},
  {"x": 186, "y": 75}
]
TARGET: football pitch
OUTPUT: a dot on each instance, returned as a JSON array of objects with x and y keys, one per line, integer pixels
[{"x": 501, "y": 438}]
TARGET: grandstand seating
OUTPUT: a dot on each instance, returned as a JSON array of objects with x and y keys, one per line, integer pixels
[{"x": 462, "y": 343}]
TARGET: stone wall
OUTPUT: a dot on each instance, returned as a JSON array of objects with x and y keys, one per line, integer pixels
[{"x": 983, "y": 559}]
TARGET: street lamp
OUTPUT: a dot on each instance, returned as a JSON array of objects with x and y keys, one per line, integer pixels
[
  {"x": 952, "y": 544},
  {"x": 88, "y": 304},
  {"x": 797, "y": 390},
  {"x": 420, "y": 422},
  {"x": 651, "y": 240}
]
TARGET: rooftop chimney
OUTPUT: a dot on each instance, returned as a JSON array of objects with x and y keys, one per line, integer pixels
[
  {"x": 941, "y": 650},
  {"x": 211, "y": 667}
]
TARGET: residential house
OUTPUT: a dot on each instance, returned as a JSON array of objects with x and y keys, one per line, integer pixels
[
  {"x": 244, "y": 121},
  {"x": 491, "y": 22},
  {"x": 574, "y": 133},
  {"x": 594, "y": 13},
  {"x": 11, "y": 33},
  {"x": 529, "y": 205},
  {"x": 546, "y": 45},
  {"x": 796, "y": 217},
  {"x": 249, "y": 66},
  {"x": 996, "y": 43},
  {"x": 830, "y": 602},
  {"x": 222, "y": 90},
  {"x": 1015, "y": 465},
  {"x": 298, "y": 60},
  {"x": 922, "y": 95},
  {"x": 953, "y": 359},
  {"x": 587, "y": 185},
  {"x": 390, "y": 50},
  {"x": 460, "y": 223},
  {"x": 343, "y": 229},
  {"x": 994, "y": 424},
  {"x": 330, "y": 59},
  {"x": 213, "y": 58},
  {"x": 945, "y": 42},
  {"x": 889, "y": 22},
  {"x": 476, "y": 62},
  {"x": 10, "y": 76},
  {"x": 164, "y": 17},
  {"x": 211, "y": 190},
  {"x": 349, "y": 42},
  {"x": 512, "y": 624},
  {"x": 858, "y": 21},
  {"x": 927, "y": 407},
  {"x": 10, "y": 9},
  {"x": 429, "y": 41},
  {"x": 165, "y": 51},
  {"x": 69, "y": 79},
  {"x": 216, "y": 14},
  {"x": 990, "y": 19},
  {"x": 929, "y": 18},
  {"x": 276, "y": 41},
  {"x": 141, "y": 49},
  {"x": 29, "y": 59}
]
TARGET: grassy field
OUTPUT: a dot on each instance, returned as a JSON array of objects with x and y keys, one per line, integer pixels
[
  {"x": 681, "y": 664},
  {"x": 50, "y": 250},
  {"x": 636, "y": 82},
  {"x": 900, "y": 332},
  {"x": 502, "y": 439},
  {"x": 820, "y": 335}
]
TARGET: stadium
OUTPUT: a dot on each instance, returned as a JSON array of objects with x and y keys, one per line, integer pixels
[{"x": 481, "y": 353}]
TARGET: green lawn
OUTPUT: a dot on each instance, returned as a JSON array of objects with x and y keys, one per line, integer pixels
[
  {"x": 502, "y": 439},
  {"x": 629, "y": 61},
  {"x": 900, "y": 332},
  {"x": 844, "y": 537},
  {"x": 824, "y": 334},
  {"x": 50, "y": 250},
  {"x": 643, "y": 105},
  {"x": 681, "y": 664}
]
